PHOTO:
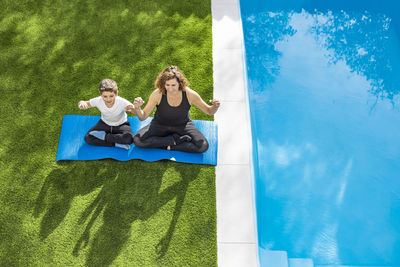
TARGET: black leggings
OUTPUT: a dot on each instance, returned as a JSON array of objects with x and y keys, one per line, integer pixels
[
  {"x": 121, "y": 134},
  {"x": 159, "y": 136}
]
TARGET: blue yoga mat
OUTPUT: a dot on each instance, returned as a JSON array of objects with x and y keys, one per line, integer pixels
[{"x": 72, "y": 145}]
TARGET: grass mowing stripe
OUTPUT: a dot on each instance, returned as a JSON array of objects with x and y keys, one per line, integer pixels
[{"x": 96, "y": 213}]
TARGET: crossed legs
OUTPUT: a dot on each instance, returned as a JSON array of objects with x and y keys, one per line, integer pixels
[
  {"x": 161, "y": 136},
  {"x": 121, "y": 134}
]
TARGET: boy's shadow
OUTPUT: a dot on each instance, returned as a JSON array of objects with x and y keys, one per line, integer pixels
[
  {"x": 62, "y": 185},
  {"x": 131, "y": 196}
]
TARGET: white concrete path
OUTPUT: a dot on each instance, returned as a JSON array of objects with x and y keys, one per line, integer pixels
[{"x": 235, "y": 218}]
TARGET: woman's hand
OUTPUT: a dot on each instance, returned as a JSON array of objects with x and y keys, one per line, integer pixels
[
  {"x": 83, "y": 105},
  {"x": 214, "y": 105},
  {"x": 154, "y": 99},
  {"x": 138, "y": 102}
]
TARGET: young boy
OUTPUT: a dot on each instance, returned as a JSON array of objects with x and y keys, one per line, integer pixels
[{"x": 113, "y": 129}]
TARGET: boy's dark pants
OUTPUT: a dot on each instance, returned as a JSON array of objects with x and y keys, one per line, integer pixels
[{"x": 121, "y": 134}]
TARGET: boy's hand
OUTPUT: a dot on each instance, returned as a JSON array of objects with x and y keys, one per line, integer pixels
[
  {"x": 138, "y": 102},
  {"x": 130, "y": 108},
  {"x": 83, "y": 105}
]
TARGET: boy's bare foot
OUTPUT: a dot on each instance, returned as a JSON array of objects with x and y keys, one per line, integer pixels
[{"x": 99, "y": 134}]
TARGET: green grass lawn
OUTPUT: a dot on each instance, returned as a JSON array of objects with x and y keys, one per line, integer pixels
[{"x": 98, "y": 213}]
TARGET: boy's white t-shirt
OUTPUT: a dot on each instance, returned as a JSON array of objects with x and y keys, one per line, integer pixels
[{"x": 115, "y": 115}]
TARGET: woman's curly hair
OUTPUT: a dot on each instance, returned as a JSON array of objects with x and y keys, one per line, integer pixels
[{"x": 169, "y": 73}]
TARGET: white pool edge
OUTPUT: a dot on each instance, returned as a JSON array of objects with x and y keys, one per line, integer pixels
[{"x": 236, "y": 231}]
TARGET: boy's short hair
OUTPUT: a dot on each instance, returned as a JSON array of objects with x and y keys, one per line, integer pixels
[{"x": 108, "y": 85}]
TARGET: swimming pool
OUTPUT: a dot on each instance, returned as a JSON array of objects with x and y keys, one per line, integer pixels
[{"x": 323, "y": 81}]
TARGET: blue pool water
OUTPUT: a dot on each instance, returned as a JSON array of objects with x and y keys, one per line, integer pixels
[{"x": 323, "y": 82}]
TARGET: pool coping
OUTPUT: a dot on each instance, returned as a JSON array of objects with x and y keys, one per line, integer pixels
[{"x": 236, "y": 232}]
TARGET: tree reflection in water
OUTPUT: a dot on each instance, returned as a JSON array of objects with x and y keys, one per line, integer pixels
[
  {"x": 366, "y": 41},
  {"x": 263, "y": 31}
]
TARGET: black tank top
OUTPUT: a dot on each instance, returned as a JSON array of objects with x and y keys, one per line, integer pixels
[{"x": 172, "y": 116}]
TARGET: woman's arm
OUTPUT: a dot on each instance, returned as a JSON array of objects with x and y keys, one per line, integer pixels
[
  {"x": 154, "y": 99},
  {"x": 195, "y": 99},
  {"x": 84, "y": 104}
]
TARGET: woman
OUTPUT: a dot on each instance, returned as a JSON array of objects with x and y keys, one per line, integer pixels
[{"x": 171, "y": 127}]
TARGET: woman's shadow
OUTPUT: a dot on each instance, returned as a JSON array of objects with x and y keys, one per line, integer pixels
[
  {"x": 128, "y": 197},
  {"x": 62, "y": 185}
]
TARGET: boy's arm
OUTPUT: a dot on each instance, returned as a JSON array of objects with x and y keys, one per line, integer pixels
[{"x": 84, "y": 104}]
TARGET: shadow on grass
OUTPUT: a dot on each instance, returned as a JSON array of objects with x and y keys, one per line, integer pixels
[
  {"x": 128, "y": 193},
  {"x": 122, "y": 203},
  {"x": 62, "y": 185}
]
